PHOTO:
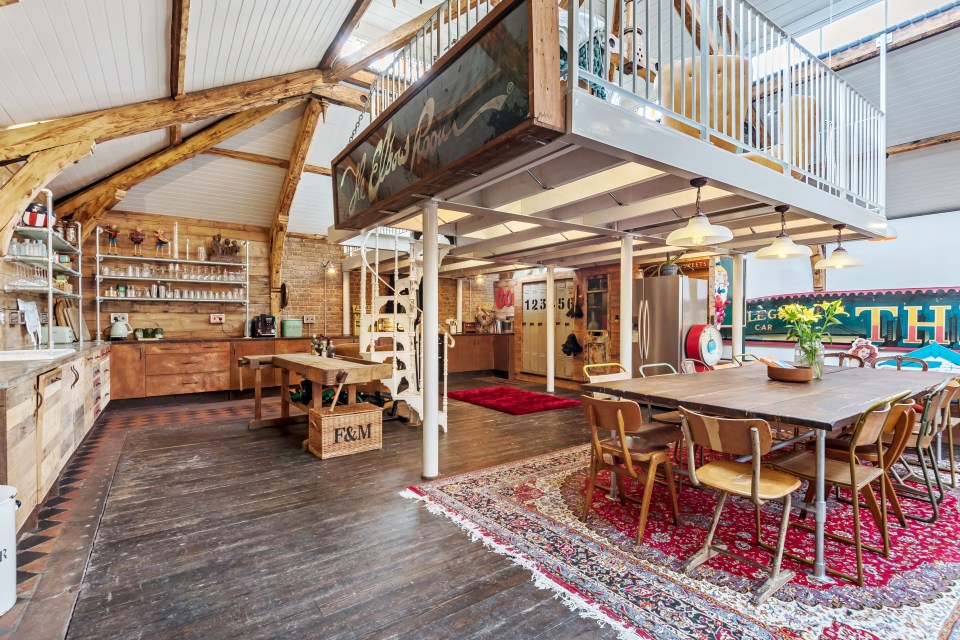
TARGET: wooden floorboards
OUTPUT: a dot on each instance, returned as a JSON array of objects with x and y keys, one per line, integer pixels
[{"x": 213, "y": 531}]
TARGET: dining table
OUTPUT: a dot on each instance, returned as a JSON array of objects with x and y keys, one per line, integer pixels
[{"x": 826, "y": 405}]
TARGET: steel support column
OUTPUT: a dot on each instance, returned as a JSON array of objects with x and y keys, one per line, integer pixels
[
  {"x": 431, "y": 346},
  {"x": 626, "y": 303},
  {"x": 551, "y": 329}
]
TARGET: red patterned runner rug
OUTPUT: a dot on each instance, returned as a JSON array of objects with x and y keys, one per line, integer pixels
[{"x": 528, "y": 510}]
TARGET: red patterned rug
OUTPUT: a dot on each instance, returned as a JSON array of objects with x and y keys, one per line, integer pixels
[
  {"x": 529, "y": 510},
  {"x": 516, "y": 402}
]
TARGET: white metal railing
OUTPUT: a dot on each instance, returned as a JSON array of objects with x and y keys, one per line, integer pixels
[
  {"x": 450, "y": 22},
  {"x": 763, "y": 94},
  {"x": 720, "y": 70}
]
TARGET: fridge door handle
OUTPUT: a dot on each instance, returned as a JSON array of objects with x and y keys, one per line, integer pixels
[{"x": 646, "y": 330}]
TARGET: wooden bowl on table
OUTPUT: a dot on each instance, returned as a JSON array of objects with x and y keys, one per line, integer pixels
[{"x": 798, "y": 374}]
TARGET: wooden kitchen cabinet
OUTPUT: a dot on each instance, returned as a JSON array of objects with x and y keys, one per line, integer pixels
[
  {"x": 128, "y": 364},
  {"x": 292, "y": 345}
]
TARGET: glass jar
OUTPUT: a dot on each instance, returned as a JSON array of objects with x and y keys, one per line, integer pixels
[{"x": 810, "y": 355}]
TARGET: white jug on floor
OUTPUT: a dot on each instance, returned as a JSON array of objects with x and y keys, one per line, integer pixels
[{"x": 8, "y": 547}]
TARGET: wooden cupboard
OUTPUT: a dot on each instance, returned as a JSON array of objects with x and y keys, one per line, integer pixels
[{"x": 130, "y": 366}]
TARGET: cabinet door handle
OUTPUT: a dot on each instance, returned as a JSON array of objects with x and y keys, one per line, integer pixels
[
  {"x": 192, "y": 362},
  {"x": 77, "y": 374}
]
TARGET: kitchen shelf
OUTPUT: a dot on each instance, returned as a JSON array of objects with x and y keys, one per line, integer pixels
[
  {"x": 42, "y": 290},
  {"x": 208, "y": 263},
  {"x": 40, "y": 233},
  {"x": 242, "y": 267},
  {"x": 236, "y": 283},
  {"x": 42, "y": 261},
  {"x": 128, "y": 299}
]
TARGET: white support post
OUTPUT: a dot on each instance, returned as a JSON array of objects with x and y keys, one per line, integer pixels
[
  {"x": 431, "y": 364},
  {"x": 882, "y": 189},
  {"x": 460, "y": 304},
  {"x": 736, "y": 342},
  {"x": 551, "y": 330},
  {"x": 347, "y": 314},
  {"x": 626, "y": 303}
]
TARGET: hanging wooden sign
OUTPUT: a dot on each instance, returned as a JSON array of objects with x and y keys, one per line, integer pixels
[{"x": 494, "y": 95}]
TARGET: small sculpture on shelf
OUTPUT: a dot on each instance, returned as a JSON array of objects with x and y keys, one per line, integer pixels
[
  {"x": 224, "y": 250},
  {"x": 137, "y": 236},
  {"x": 112, "y": 232},
  {"x": 160, "y": 242},
  {"x": 485, "y": 318}
]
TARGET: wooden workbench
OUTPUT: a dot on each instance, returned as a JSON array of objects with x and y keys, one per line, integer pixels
[{"x": 321, "y": 371}]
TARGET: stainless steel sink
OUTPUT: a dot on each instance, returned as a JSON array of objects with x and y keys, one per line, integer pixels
[{"x": 31, "y": 355}]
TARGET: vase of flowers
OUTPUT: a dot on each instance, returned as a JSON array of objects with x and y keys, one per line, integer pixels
[{"x": 808, "y": 326}]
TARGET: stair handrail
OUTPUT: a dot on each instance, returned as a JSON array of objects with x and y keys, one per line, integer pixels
[{"x": 450, "y": 340}]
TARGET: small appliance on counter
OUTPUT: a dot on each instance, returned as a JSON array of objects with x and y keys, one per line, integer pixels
[
  {"x": 120, "y": 330},
  {"x": 264, "y": 326},
  {"x": 61, "y": 335},
  {"x": 291, "y": 328}
]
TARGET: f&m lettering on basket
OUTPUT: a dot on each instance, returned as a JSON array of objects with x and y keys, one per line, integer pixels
[
  {"x": 348, "y": 434},
  {"x": 351, "y": 428}
]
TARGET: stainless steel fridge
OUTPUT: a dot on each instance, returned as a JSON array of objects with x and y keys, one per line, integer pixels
[{"x": 664, "y": 309}]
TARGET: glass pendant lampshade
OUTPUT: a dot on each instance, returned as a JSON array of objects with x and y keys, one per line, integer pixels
[
  {"x": 699, "y": 231},
  {"x": 839, "y": 259},
  {"x": 782, "y": 247}
]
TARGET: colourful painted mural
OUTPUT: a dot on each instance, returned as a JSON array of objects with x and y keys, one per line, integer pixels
[{"x": 890, "y": 318}]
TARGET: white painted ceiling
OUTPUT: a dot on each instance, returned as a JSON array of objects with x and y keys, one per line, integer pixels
[
  {"x": 923, "y": 100},
  {"x": 97, "y": 54}
]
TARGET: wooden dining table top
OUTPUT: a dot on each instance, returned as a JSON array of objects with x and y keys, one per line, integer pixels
[{"x": 834, "y": 402}]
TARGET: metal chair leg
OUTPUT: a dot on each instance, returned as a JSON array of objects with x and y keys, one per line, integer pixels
[
  {"x": 707, "y": 551},
  {"x": 777, "y": 578}
]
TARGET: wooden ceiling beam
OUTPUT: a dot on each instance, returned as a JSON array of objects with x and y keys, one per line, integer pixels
[
  {"x": 179, "y": 22},
  {"x": 21, "y": 140},
  {"x": 24, "y": 185},
  {"x": 385, "y": 44},
  {"x": 899, "y": 38},
  {"x": 262, "y": 159},
  {"x": 90, "y": 205},
  {"x": 298, "y": 159},
  {"x": 923, "y": 143},
  {"x": 346, "y": 29}
]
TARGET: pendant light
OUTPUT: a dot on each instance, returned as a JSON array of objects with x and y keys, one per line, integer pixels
[
  {"x": 699, "y": 231},
  {"x": 782, "y": 247},
  {"x": 839, "y": 259}
]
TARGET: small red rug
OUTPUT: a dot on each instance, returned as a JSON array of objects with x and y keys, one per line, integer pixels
[{"x": 516, "y": 402}]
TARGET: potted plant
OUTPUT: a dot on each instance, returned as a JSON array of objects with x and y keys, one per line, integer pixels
[
  {"x": 808, "y": 325},
  {"x": 668, "y": 267}
]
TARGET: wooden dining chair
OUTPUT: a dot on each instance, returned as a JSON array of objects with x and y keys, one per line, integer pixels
[
  {"x": 900, "y": 360},
  {"x": 635, "y": 445},
  {"x": 604, "y": 372},
  {"x": 934, "y": 420},
  {"x": 853, "y": 475},
  {"x": 897, "y": 431},
  {"x": 664, "y": 369},
  {"x": 741, "y": 358},
  {"x": 843, "y": 357},
  {"x": 693, "y": 365},
  {"x": 751, "y": 480}
]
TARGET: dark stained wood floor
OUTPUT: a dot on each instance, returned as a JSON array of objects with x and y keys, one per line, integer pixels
[{"x": 212, "y": 531}]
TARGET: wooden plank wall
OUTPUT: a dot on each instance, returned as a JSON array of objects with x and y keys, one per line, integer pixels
[{"x": 181, "y": 319}]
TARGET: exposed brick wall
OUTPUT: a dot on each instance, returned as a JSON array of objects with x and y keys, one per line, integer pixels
[{"x": 303, "y": 271}]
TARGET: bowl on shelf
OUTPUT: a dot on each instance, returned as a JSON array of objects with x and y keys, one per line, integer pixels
[{"x": 797, "y": 374}]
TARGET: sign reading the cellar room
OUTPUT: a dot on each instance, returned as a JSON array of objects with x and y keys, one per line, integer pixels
[
  {"x": 888, "y": 318},
  {"x": 446, "y": 127}
]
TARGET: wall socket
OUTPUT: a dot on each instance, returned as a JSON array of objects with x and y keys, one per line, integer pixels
[
  {"x": 119, "y": 317},
  {"x": 16, "y": 317},
  {"x": 218, "y": 318},
  {"x": 309, "y": 319}
]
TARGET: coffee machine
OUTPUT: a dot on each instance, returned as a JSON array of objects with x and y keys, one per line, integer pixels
[{"x": 264, "y": 326}]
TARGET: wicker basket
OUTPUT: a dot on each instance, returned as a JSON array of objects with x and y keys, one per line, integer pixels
[{"x": 351, "y": 428}]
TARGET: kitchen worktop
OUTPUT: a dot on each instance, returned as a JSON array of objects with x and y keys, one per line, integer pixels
[
  {"x": 13, "y": 373},
  {"x": 217, "y": 339}
]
